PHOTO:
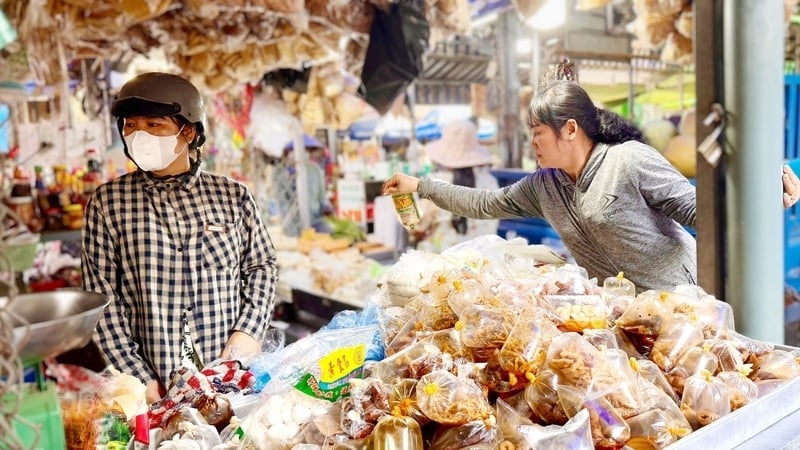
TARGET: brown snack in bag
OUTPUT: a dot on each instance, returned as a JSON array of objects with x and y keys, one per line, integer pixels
[
  {"x": 645, "y": 319},
  {"x": 450, "y": 400},
  {"x": 609, "y": 429},
  {"x": 542, "y": 396},
  {"x": 705, "y": 399},
  {"x": 682, "y": 334},
  {"x": 483, "y": 327},
  {"x": 693, "y": 361},
  {"x": 525, "y": 350}
]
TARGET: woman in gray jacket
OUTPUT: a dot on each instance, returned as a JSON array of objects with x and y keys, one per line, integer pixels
[{"x": 617, "y": 204}]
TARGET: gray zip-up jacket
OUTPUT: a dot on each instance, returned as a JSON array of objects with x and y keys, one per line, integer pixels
[{"x": 624, "y": 213}]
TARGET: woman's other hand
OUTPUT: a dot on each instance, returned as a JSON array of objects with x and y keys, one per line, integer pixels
[
  {"x": 400, "y": 184},
  {"x": 154, "y": 392},
  {"x": 791, "y": 187},
  {"x": 241, "y": 345}
]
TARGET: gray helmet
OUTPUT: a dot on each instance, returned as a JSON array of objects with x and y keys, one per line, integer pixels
[{"x": 161, "y": 94}]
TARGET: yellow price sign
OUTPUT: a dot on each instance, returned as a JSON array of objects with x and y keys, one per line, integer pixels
[{"x": 341, "y": 362}]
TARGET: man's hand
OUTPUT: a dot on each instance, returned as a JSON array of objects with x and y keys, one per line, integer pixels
[
  {"x": 154, "y": 392},
  {"x": 791, "y": 187},
  {"x": 241, "y": 345}
]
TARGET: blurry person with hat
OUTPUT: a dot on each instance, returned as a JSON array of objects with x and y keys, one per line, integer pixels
[
  {"x": 316, "y": 182},
  {"x": 182, "y": 254},
  {"x": 460, "y": 159}
]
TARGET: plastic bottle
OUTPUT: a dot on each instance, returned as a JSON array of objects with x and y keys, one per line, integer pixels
[
  {"x": 407, "y": 210},
  {"x": 397, "y": 433}
]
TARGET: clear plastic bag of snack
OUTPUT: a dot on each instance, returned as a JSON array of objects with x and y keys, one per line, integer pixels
[
  {"x": 617, "y": 306},
  {"x": 752, "y": 350},
  {"x": 579, "y": 312},
  {"x": 436, "y": 315},
  {"x": 492, "y": 377},
  {"x": 708, "y": 311},
  {"x": 729, "y": 356},
  {"x": 777, "y": 365},
  {"x": 645, "y": 319},
  {"x": 484, "y": 327},
  {"x": 450, "y": 341},
  {"x": 509, "y": 423},
  {"x": 442, "y": 283},
  {"x": 656, "y": 429},
  {"x": 649, "y": 372},
  {"x": 403, "y": 400},
  {"x": 414, "y": 361},
  {"x": 609, "y": 430},
  {"x": 468, "y": 292},
  {"x": 654, "y": 398},
  {"x": 624, "y": 343},
  {"x": 601, "y": 339},
  {"x": 683, "y": 334},
  {"x": 542, "y": 396},
  {"x": 569, "y": 280},
  {"x": 475, "y": 434},
  {"x": 575, "y": 434},
  {"x": 368, "y": 402},
  {"x": 617, "y": 286},
  {"x": 403, "y": 337},
  {"x": 450, "y": 400},
  {"x": 578, "y": 364},
  {"x": 394, "y": 432},
  {"x": 693, "y": 361},
  {"x": 705, "y": 399},
  {"x": 525, "y": 350},
  {"x": 392, "y": 320},
  {"x": 742, "y": 389}
]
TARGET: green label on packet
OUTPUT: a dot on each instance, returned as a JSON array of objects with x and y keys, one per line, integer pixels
[{"x": 332, "y": 392}]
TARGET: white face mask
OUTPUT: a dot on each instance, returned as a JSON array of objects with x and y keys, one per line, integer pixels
[{"x": 152, "y": 153}]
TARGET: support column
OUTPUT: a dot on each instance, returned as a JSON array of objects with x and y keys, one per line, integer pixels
[
  {"x": 507, "y": 120},
  {"x": 708, "y": 48},
  {"x": 754, "y": 98}
]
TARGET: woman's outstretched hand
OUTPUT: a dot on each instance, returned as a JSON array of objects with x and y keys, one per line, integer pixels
[
  {"x": 791, "y": 187},
  {"x": 400, "y": 184}
]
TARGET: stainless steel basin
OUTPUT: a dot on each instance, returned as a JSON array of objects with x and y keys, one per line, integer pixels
[{"x": 54, "y": 322}]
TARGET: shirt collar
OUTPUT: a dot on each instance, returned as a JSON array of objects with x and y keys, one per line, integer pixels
[{"x": 185, "y": 181}]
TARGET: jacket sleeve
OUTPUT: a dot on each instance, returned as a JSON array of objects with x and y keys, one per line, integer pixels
[
  {"x": 259, "y": 273},
  {"x": 99, "y": 265},
  {"x": 517, "y": 200}
]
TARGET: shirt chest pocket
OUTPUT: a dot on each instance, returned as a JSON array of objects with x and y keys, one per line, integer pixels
[{"x": 220, "y": 245}]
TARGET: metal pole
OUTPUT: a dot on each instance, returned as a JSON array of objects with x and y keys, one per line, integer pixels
[
  {"x": 509, "y": 86},
  {"x": 708, "y": 47},
  {"x": 754, "y": 99}
]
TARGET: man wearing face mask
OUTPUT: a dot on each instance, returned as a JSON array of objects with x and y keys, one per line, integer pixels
[{"x": 182, "y": 254}]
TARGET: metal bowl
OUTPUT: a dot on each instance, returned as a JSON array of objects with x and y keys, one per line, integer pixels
[{"x": 54, "y": 322}]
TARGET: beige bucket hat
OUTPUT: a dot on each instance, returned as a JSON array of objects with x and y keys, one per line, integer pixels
[{"x": 458, "y": 147}]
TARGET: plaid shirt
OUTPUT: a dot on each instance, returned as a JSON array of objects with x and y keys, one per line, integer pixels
[{"x": 162, "y": 249}]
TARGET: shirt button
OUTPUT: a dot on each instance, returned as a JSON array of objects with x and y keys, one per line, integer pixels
[
  {"x": 189, "y": 308},
  {"x": 180, "y": 249}
]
